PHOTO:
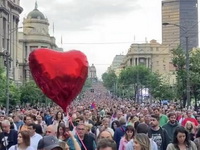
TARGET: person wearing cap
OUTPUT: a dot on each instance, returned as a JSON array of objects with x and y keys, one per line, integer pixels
[{"x": 49, "y": 143}]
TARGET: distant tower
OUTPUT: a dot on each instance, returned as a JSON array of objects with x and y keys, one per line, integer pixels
[
  {"x": 92, "y": 73},
  {"x": 183, "y": 13}
]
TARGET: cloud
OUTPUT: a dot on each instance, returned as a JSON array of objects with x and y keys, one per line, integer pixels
[{"x": 78, "y": 15}]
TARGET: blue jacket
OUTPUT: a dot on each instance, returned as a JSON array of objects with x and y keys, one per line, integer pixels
[{"x": 119, "y": 132}]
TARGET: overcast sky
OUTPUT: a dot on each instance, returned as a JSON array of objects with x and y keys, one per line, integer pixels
[{"x": 100, "y": 28}]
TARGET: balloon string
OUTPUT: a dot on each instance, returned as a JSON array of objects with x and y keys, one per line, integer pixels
[{"x": 77, "y": 133}]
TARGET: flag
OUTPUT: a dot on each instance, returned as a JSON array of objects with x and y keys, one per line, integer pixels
[{"x": 92, "y": 106}]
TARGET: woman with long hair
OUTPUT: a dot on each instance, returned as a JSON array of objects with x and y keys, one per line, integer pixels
[
  {"x": 59, "y": 119},
  {"x": 189, "y": 126},
  {"x": 141, "y": 142},
  {"x": 129, "y": 134},
  {"x": 115, "y": 124},
  {"x": 181, "y": 140},
  {"x": 23, "y": 142},
  {"x": 61, "y": 130}
]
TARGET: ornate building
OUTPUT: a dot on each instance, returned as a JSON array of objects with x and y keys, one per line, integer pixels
[
  {"x": 154, "y": 56},
  {"x": 9, "y": 19},
  {"x": 116, "y": 63},
  {"x": 35, "y": 35},
  {"x": 92, "y": 74}
]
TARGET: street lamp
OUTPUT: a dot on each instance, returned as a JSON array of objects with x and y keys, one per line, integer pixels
[
  {"x": 7, "y": 57},
  {"x": 187, "y": 60}
]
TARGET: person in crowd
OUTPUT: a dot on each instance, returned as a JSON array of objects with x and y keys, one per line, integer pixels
[
  {"x": 190, "y": 118},
  {"x": 162, "y": 118},
  {"x": 35, "y": 137},
  {"x": 106, "y": 144},
  {"x": 41, "y": 122},
  {"x": 115, "y": 124},
  {"x": 12, "y": 124},
  {"x": 141, "y": 142},
  {"x": 132, "y": 120},
  {"x": 49, "y": 143},
  {"x": 105, "y": 126},
  {"x": 49, "y": 118},
  {"x": 197, "y": 139},
  {"x": 88, "y": 128},
  {"x": 18, "y": 122},
  {"x": 120, "y": 131},
  {"x": 87, "y": 115},
  {"x": 8, "y": 137},
  {"x": 51, "y": 130},
  {"x": 141, "y": 128},
  {"x": 84, "y": 139},
  {"x": 158, "y": 134},
  {"x": 129, "y": 134},
  {"x": 61, "y": 130},
  {"x": 23, "y": 142},
  {"x": 72, "y": 142},
  {"x": 38, "y": 129},
  {"x": 58, "y": 119},
  {"x": 189, "y": 126},
  {"x": 27, "y": 121},
  {"x": 181, "y": 140},
  {"x": 105, "y": 134},
  {"x": 171, "y": 125}
]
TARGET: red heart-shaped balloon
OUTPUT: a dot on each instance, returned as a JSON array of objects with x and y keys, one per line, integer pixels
[{"x": 60, "y": 75}]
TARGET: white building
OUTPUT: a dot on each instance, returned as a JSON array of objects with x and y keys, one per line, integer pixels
[{"x": 35, "y": 35}]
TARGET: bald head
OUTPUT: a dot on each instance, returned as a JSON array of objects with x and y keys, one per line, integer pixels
[{"x": 51, "y": 130}]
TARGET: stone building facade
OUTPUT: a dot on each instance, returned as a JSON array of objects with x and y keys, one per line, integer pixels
[
  {"x": 35, "y": 35},
  {"x": 9, "y": 19},
  {"x": 154, "y": 56}
]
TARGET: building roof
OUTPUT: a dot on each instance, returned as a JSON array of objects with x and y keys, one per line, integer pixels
[{"x": 36, "y": 14}]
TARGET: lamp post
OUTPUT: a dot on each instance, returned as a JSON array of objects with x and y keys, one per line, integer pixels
[
  {"x": 187, "y": 61},
  {"x": 7, "y": 57}
]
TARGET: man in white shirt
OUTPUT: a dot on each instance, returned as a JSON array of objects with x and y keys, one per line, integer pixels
[{"x": 35, "y": 137}]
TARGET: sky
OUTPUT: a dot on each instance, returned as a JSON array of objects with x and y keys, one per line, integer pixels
[{"x": 100, "y": 29}]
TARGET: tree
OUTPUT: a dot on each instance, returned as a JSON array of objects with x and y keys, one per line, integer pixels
[
  {"x": 14, "y": 92},
  {"x": 30, "y": 93},
  {"x": 179, "y": 61},
  {"x": 195, "y": 75},
  {"x": 109, "y": 80},
  {"x": 139, "y": 77}
]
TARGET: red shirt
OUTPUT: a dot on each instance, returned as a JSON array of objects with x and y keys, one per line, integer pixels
[{"x": 190, "y": 119}]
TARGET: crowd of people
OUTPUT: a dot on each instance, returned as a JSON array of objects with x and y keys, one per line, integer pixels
[{"x": 100, "y": 122}]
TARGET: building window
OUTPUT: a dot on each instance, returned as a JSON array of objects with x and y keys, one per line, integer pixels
[
  {"x": 164, "y": 67},
  {"x": 157, "y": 49},
  {"x": 26, "y": 52},
  {"x": 131, "y": 62},
  {"x": 32, "y": 48}
]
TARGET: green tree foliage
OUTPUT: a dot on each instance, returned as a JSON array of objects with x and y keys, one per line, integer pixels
[
  {"x": 30, "y": 93},
  {"x": 179, "y": 61},
  {"x": 195, "y": 74},
  {"x": 109, "y": 80},
  {"x": 14, "y": 92}
]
